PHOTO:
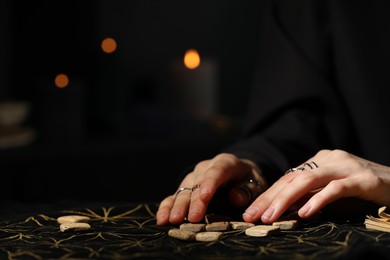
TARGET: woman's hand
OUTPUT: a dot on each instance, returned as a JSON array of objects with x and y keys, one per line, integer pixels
[
  {"x": 197, "y": 189},
  {"x": 327, "y": 177}
]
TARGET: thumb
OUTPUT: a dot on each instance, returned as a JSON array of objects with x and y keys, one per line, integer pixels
[
  {"x": 239, "y": 197},
  {"x": 244, "y": 194}
]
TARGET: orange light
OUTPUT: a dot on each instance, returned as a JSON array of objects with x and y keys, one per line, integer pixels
[
  {"x": 191, "y": 59},
  {"x": 61, "y": 81},
  {"x": 109, "y": 45}
]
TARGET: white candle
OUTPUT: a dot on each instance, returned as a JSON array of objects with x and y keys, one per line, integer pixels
[{"x": 196, "y": 85}]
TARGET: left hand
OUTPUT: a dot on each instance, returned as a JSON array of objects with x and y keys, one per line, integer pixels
[{"x": 339, "y": 175}]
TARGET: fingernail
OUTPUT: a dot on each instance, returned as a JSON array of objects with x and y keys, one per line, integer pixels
[
  {"x": 268, "y": 214},
  {"x": 194, "y": 211},
  {"x": 161, "y": 219},
  {"x": 304, "y": 210},
  {"x": 161, "y": 216},
  {"x": 194, "y": 214},
  {"x": 174, "y": 214},
  {"x": 251, "y": 212}
]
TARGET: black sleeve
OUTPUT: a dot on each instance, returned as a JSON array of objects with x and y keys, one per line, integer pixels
[{"x": 295, "y": 108}]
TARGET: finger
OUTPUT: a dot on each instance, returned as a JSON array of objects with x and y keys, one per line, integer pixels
[
  {"x": 333, "y": 191},
  {"x": 282, "y": 195},
  {"x": 206, "y": 182},
  {"x": 198, "y": 207},
  {"x": 180, "y": 206},
  {"x": 211, "y": 181},
  {"x": 302, "y": 201},
  {"x": 254, "y": 212},
  {"x": 164, "y": 210},
  {"x": 305, "y": 182},
  {"x": 177, "y": 206},
  {"x": 213, "y": 178}
]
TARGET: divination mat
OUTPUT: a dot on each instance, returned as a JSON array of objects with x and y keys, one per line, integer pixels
[{"x": 129, "y": 231}]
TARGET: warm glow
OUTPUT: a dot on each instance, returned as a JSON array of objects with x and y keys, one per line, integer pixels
[
  {"x": 108, "y": 45},
  {"x": 61, "y": 81},
  {"x": 192, "y": 59}
]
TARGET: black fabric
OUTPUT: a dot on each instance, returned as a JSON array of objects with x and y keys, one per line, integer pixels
[
  {"x": 322, "y": 82},
  {"x": 129, "y": 231}
]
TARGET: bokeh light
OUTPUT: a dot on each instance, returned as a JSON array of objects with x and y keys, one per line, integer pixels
[
  {"x": 109, "y": 45},
  {"x": 61, "y": 81},
  {"x": 191, "y": 59}
]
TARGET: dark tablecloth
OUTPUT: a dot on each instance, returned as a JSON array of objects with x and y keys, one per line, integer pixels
[{"x": 129, "y": 231}]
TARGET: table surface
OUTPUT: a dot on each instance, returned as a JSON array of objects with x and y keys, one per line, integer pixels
[{"x": 129, "y": 231}]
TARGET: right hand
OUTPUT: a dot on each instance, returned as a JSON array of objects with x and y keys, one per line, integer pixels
[{"x": 207, "y": 177}]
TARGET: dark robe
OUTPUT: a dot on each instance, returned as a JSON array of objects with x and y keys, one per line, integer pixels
[{"x": 322, "y": 81}]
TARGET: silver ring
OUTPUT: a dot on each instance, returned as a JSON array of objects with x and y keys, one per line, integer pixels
[
  {"x": 182, "y": 189},
  {"x": 252, "y": 192},
  {"x": 294, "y": 169}
]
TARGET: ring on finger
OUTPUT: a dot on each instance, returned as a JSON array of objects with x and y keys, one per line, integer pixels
[
  {"x": 312, "y": 165},
  {"x": 182, "y": 189},
  {"x": 253, "y": 188},
  {"x": 195, "y": 187},
  {"x": 294, "y": 169}
]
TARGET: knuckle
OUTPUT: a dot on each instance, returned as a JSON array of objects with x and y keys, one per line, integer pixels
[
  {"x": 323, "y": 152},
  {"x": 201, "y": 165},
  {"x": 167, "y": 201},
  {"x": 230, "y": 158},
  {"x": 369, "y": 176},
  {"x": 340, "y": 155},
  {"x": 215, "y": 170}
]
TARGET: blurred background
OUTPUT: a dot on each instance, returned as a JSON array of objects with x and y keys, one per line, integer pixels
[{"x": 96, "y": 102}]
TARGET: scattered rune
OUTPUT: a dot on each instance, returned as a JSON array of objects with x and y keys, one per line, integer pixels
[
  {"x": 286, "y": 224},
  {"x": 194, "y": 227},
  {"x": 218, "y": 226},
  {"x": 72, "y": 219},
  {"x": 74, "y": 226},
  {"x": 261, "y": 230},
  {"x": 182, "y": 234},
  {"x": 240, "y": 225},
  {"x": 209, "y": 236}
]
